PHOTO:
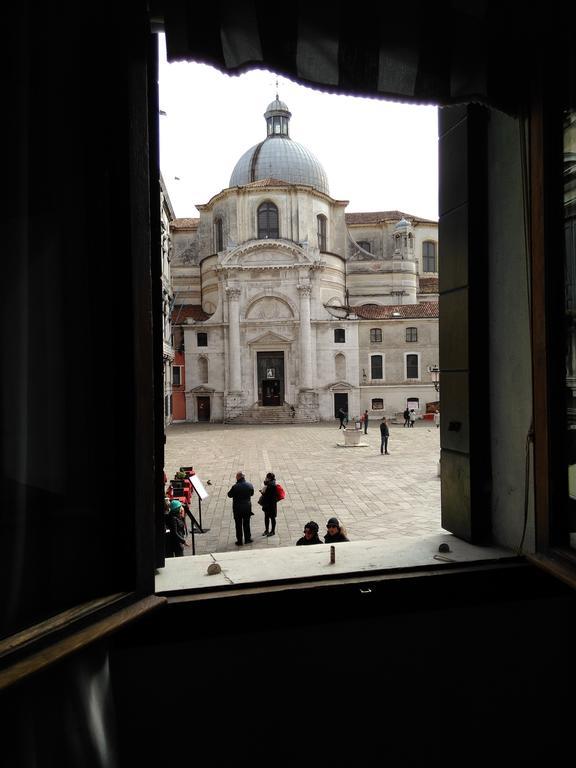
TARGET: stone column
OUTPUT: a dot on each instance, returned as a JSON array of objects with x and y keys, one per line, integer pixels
[
  {"x": 234, "y": 338},
  {"x": 305, "y": 337}
]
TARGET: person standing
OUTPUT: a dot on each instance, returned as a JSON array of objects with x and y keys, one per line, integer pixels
[
  {"x": 412, "y": 417},
  {"x": 365, "y": 420},
  {"x": 176, "y": 529},
  {"x": 437, "y": 418},
  {"x": 310, "y": 535},
  {"x": 241, "y": 493},
  {"x": 335, "y": 532},
  {"x": 406, "y": 415},
  {"x": 384, "y": 435},
  {"x": 268, "y": 501}
]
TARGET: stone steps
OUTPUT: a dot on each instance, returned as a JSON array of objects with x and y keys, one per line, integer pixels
[{"x": 272, "y": 414}]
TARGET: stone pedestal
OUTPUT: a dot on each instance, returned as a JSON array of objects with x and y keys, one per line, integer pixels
[
  {"x": 308, "y": 402},
  {"x": 233, "y": 405}
]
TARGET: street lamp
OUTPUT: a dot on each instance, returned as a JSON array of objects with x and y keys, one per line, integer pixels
[{"x": 434, "y": 372}]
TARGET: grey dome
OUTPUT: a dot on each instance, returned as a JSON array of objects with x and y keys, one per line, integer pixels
[
  {"x": 402, "y": 224},
  {"x": 280, "y": 158}
]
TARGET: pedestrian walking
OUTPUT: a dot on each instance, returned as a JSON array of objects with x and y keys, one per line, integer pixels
[
  {"x": 335, "y": 532},
  {"x": 310, "y": 535},
  {"x": 241, "y": 493},
  {"x": 365, "y": 420},
  {"x": 412, "y": 417},
  {"x": 384, "y": 435},
  {"x": 406, "y": 415},
  {"x": 343, "y": 416},
  {"x": 268, "y": 501},
  {"x": 437, "y": 418}
]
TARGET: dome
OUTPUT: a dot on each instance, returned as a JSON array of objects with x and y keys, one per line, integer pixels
[
  {"x": 278, "y": 157},
  {"x": 402, "y": 224}
]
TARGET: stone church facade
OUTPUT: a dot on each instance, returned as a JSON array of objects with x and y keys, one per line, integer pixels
[{"x": 287, "y": 308}]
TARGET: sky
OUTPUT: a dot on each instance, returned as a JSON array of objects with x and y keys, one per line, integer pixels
[{"x": 378, "y": 155}]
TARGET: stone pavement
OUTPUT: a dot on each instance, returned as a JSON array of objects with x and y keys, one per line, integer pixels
[{"x": 374, "y": 496}]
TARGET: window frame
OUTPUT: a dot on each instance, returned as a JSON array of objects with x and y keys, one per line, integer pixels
[
  {"x": 375, "y": 332},
  {"x": 339, "y": 331},
  {"x": 411, "y": 328},
  {"x": 270, "y": 228},
  {"x": 204, "y": 336},
  {"x": 418, "y": 363},
  {"x": 427, "y": 256},
  {"x": 322, "y": 231},
  {"x": 372, "y": 358}
]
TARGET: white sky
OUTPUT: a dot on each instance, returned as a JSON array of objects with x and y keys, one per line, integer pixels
[{"x": 378, "y": 155}]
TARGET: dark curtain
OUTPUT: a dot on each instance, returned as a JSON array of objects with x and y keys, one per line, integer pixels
[{"x": 421, "y": 52}]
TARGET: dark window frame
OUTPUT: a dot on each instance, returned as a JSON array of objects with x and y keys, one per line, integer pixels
[
  {"x": 268, "y": 221},
  {"x": 411, "y": 334},
  {"x": 374, "y": 334},
  {"x": 322, "y": 223},
  {"x": 429, "y": 258},
  {"x": 340, "y": 332},
  {"x": 376, "y": 367},
  {"x": 201, "y": 338}
]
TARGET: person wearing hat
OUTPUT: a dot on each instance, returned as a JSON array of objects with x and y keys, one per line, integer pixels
[
  {"x": 335, "y": 532},
  {"x": 176, "y": 539},
  {"x": 310, "y": 535}
]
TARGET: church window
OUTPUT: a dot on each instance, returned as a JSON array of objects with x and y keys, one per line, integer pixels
[
  {"x": 375, "y": 335},
  {"x": 411, "y": 334},
  {"x": 267, "y": 221},
  {"x": 377, "y": 404},
  {"x": 219, "y": 235},
  {"x": 376, "y": 367},
  {"x": 340, "y": 366},
  {"x": 322, "y": 232},
  {"x": 365, "y": 245},
  {"x": 429, "y": 256},
  {"x": 339, "y": 335},
  {"x": 412, "y": 367},
  {"x": 202, "y": 339},
  {"x": 177, "y": 375}
]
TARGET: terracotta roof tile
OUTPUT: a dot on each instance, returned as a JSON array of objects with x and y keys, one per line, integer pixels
[
  {"x": 182, "y": 312},
  {"x": 184, "y": 224},
  {"x": 379, "y": 217},
  {"x": 405, "y": 311}
]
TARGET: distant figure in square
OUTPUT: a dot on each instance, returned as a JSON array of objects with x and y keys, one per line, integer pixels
[
  {"x": 437, "y": 418},
  {"x": 335, "y": 532},
  {"x": 406, "y": 415},
  {"x": 412, "y": 417},
  {"x": 268, "y": 501},
  {"x": 365, "y": 420},
  {"x": 310, "y": 535},
  {"x": 240, "y": 494},
  {"x": 384, "y": 435},
  {"x": 343, "y": 416},
  {"x": 177, "y": 529}
]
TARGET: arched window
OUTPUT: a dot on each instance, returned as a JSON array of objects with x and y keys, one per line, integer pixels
[
  {"x": 340, "y": 366},
  {"x": 203, "y": 370},
  {"x": 429, "y": 256},
  {"x": 218, "y": 235},
  {"x": 322, "y": 232},
  {"x": 267, "y": 221}
]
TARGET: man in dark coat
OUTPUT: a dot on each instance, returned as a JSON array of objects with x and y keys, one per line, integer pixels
[
  {"x": 384, "y": 435},
  {"x": 240, "y": 493}
]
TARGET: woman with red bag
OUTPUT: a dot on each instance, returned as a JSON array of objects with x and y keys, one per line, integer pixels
[{"x": 268, "y": 501}]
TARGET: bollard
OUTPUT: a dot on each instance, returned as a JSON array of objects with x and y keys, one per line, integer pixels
[{"x": 332, "y": 554}]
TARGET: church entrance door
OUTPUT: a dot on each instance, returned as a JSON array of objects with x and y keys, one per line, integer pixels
[{"x": 270, "y": 378}]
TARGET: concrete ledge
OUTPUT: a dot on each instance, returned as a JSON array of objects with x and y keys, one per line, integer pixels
[{"x": 296, "y": 563}]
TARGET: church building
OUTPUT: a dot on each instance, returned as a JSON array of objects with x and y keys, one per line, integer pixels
[{"x": 287, "y": 308}]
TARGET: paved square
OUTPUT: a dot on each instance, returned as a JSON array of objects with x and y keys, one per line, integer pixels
[{"x": 374, "y": 496}]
